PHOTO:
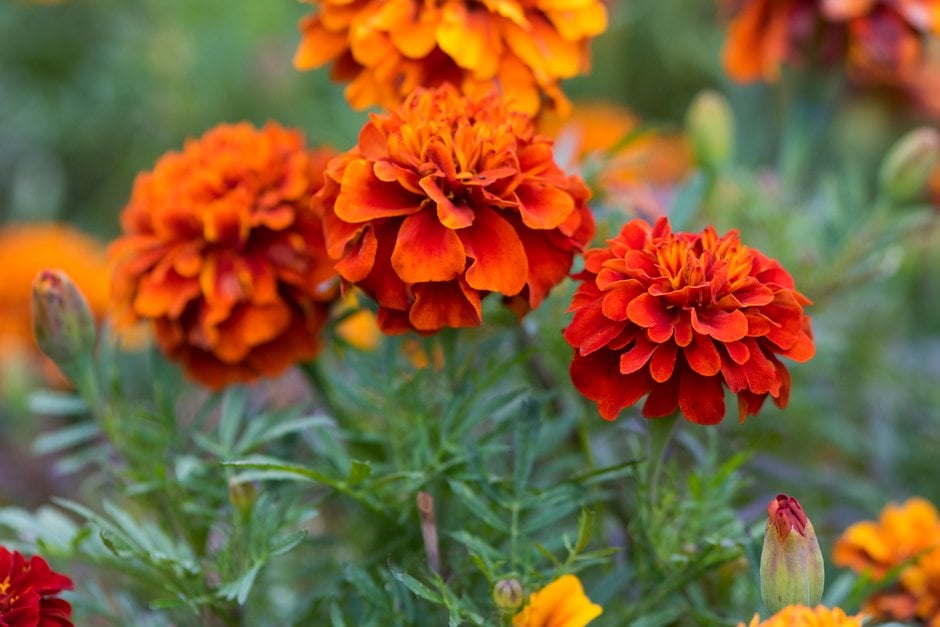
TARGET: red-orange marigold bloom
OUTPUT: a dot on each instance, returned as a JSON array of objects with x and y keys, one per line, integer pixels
[
  {"x": 445, "y": 200},
  {"x": 881, "y": 41},
  {"x": 387, "y": 48},
  {"x": 676, "y": 316},
  {"x": 904, "y": 533},
  {"x": 28, "y": 589},
  {"x": 224, "y": 254}
]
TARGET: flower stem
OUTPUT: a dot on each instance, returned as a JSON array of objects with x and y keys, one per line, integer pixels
[{"x": 660, "y": 430}]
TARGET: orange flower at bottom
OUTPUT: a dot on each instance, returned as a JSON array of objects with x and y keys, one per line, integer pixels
[
  {"x": 908, "y": 533},
  {"x": 562, "y": 603},
  {"x": 802, "y": 616}
]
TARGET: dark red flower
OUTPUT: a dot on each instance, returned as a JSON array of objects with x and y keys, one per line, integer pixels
[
  {"x": 28, "y": 589},
  {"x": 678, "y": 316}
]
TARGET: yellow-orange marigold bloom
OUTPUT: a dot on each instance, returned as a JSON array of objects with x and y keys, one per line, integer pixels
[
  {"x": 676, "y": 317},
  {"x": 222, "y": 251},
  {"x": 802, "y": 616},
  {"x": 904, "y": 533},
  {"x": 635, "y": 177},
  {"x": 881, "y": 41},
  {"x": 387, "y": 48},
  {"x": 27, "y": 249},
  {"x": 562, "y": 603},
  {"x": 445, "y": 200}
]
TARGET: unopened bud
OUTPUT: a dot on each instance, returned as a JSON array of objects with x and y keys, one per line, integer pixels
[
  {"x": 62, "y": 320},
  {"x": 242, "y": 495},
  {"x": 710, "y": 124},
  {"x": 909, "y": 164},
  {"x": 507, "y": 594},
  {"x": 791, "y": 565}
]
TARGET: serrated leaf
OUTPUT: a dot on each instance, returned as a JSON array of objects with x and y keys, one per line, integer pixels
[
  {"x": 476, "y": 505},
  {"x": 65, "y": 437},
  {"x": 234, "y": 402},
  {"x": 362, "y": 582},
  {"x": 416, "y": 587},
  {"x": 585, "y": 530}
]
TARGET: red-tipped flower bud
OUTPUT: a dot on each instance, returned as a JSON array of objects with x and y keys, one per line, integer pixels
[
  {"x": 906, "y": 169},
  {"x": 791, "y": 566},
  {"x": 62, "y": 320},
  {"x": 507, "y": 595}
]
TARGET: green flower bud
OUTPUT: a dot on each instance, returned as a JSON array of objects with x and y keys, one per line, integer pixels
[
  {"x": 710, "y": 125},
  {"x": 907, "y": 168},
  {"x": 242, "y": 495},
  {"x": 507, "y": 595},
  {"x": 62, "y": 320},
  {"x": 791, "y": 565}
]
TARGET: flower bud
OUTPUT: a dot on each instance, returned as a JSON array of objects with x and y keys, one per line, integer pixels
[
  {"x": 710, "y": 124},
  {"x": 791, "y": 565},
  {"x": 62, "y": 320},
  {"x": 907, "y": 168},
  {"x": 507, "y": 594},
  {"x": 242, "y": 495}
]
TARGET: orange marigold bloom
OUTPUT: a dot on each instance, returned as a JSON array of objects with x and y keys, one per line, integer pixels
[
  {"x": 636, "y": 177},
  {"x": 26, "y": 250},
  {"x": 676, "y": 316},
  {"x": 387, "y": 48},
  {"x": 28, "y": 589},
  {"x": 802, "y": 616},
  {"x": 562, "y": 603},
  {"x": 881, "y": 41},
  {"x": 905, "y": 533},
  {"x": 223, "y": 253},
  {"x": 445, "y": 200}
]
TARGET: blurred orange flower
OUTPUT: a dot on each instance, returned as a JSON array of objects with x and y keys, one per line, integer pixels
[
  {"x": 905, "y": 533},
  {"x": 881, "y": 41},
  {"x": 445, "y": 200},
  {"x": 803, "y": 616},
  {"x": 562, "y": 603},
  {"x": 387, "y": 48},
  {"x": 223, "y": 253},
  {"x": 635, "y": 177},
  {"x": 677, "y": 316},
  {"x": 27, "y": 249}
]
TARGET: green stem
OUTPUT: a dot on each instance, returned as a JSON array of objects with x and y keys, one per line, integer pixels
[{"x": 661, "y": 430}]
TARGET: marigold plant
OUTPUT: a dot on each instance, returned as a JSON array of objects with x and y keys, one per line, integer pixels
[
  {"x": 445, "y": 200},
  {"x": 387, "y": 48},
  {"x": 880, "y": 41},
  {"x": 803, "y": 616},
  {"x": 562, "y": 603},
  {"x": 677, "y": 316},
  {"x": 28, "y": 592},
  {"x": 222, "y": 252},
  {"x": 904, "y": 534}
]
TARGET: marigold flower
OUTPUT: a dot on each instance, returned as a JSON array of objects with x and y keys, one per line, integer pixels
[
  {"x": 677, "y": 316},
  {"x": 223, "y": 254},
  {"x": 387, "y": 48},
  {"x": 807, "y": 617},
  {"x": 28, "y": 589},
  {"x": 881, "y": 41},
  {"x": 445, "y": 200},
  {"x": 637, "y": 176},
  {"x": 905, "y": 533},
  {"x": 562, "y": 603},
  {"x": 25, "y": 251}
]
